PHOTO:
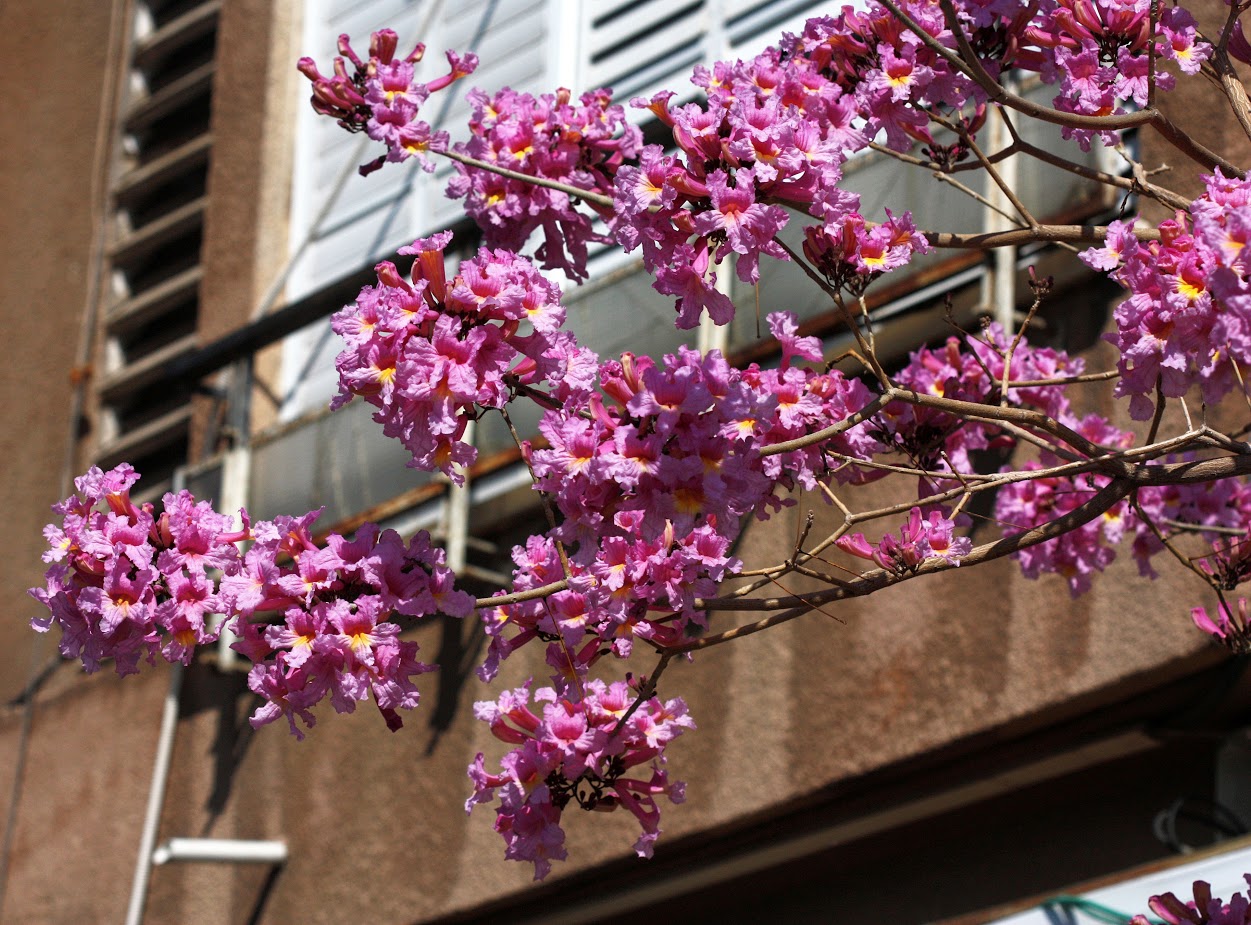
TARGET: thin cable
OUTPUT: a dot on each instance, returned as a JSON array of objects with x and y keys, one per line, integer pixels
[{"x": 1209, "y": 813}]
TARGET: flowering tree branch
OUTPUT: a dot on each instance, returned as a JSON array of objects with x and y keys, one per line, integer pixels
[{"x": 649, "y": 469}]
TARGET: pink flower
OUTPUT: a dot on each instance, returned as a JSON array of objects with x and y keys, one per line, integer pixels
[
  {"x": 383, "y": 97},
  {"x": 749, "y": 226}
]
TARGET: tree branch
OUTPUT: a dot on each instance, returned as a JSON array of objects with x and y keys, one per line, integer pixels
[{"x": 590, "y": 196}]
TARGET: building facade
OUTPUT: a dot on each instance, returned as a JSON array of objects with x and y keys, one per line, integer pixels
[{"x": 178, "y": 230}]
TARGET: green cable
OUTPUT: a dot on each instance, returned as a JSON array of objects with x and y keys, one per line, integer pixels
[{"x": 1094, "y": 910}]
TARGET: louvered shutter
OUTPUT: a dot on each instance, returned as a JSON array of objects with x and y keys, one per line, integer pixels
[
  {"x": 157, "y": 205},
  {"x": 374, "y": 215}
]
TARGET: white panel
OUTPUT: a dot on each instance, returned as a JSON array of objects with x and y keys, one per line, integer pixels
[
  {"x": 468, "y": 22},
  {"x": 640, "y": 21},
  {"x": 739, "y": 11},
  {"x": 359, "y": 19},
  {"x": 652, "y": 48},
  {"x": 754, "y": 26}
]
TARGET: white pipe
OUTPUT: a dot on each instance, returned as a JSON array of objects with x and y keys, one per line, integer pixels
[
  {"x": 236, "y": 469},
  {"x": 713, "y": 336},
  {"x": 458, "y": 515},
  {"x": 1003, "y": 284},
  {"x": 156, "y": 797},
  {"x": 225, "y": 850}
]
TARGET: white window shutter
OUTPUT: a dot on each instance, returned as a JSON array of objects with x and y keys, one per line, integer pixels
[{"x": 636, "y": 48}]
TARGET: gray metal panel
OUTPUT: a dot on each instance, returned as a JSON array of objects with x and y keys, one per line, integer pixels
[{"x": 339, "y": 460}]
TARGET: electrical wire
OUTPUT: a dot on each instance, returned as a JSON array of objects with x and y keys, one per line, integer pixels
[
  {"x": 1207, "y": 812},
  {"x": 1062, "y": 910}
]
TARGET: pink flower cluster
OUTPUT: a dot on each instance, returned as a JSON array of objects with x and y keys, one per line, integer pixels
[
  {"x": 1229, "y": 628},
  {"x": 852, "y": 254},
  {"x": 773, "y": 131},
  {"x": 919, "y": 539},
  {"x": 382, "y": 97},
  {"x": 427, "y": 352},
  {"x": 1207, "y": 509},
  {"x": 1079, "y": 553},
  {"x": 1187, "y": 320},
  {"x": 887, "y": 75},
  {"x": 1099, "y": 52},
  {"x": 125, "y": 582},
  {"x": 634, "y": 588},
  {"x": 652, "y": 478},
  {"x": 335, "y": 601},
  {"x": 652, "y": 484},
  {"x": 1219, "y": 506},
  {"x": 552, "y": 138},
  {"x": 806, "y": 401},
  {"x": 595, "y": 748},
  {"x": 663, "y": 446}
]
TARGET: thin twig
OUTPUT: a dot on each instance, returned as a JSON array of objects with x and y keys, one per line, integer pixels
[
  {"x": 1137, "y": 184},
  {"x": 1039, "y": 292},
  {"x": 874, "y": 366},
  {"x": 1153, "y": 20},
  {"x": 590, "y": 196},
  {"x": 1008, "y": 192},
  {"x": 647, "y": 690},
  {"x": 1164, "y": 541},
  {"x": 902, "y": 470},
  {"x": 1064, "y": 380},
  {"x": 519, "y": 597},
  {"x": 826, "y": 433},
  {"x": 1159, "y": 410},
  {"x": 1074, "y": 234},
  {"x": 1227, "y": 77},
  {"x": 1129, "y": 459},
  {"x": 1203, "y": 528},
  {"x": 875, "y": 580}
]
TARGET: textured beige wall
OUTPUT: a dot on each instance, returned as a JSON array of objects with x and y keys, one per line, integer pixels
[
  {"x": 89, "y": 749},
  {"x": 83, "y": 768},
  {"x": 49, "y": 187},
  {"x": 88, "y": 764}
]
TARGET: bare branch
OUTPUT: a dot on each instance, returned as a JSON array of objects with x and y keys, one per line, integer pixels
[
  {"x": 1075, "y": 234},
  {"x": 1227, "y": 77},
  {"x": 518, "y": 597},
  {"x": 833, "y": 430},
  {"x": 590, "y": 196},
  {"x": 878, "y": 579}
]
